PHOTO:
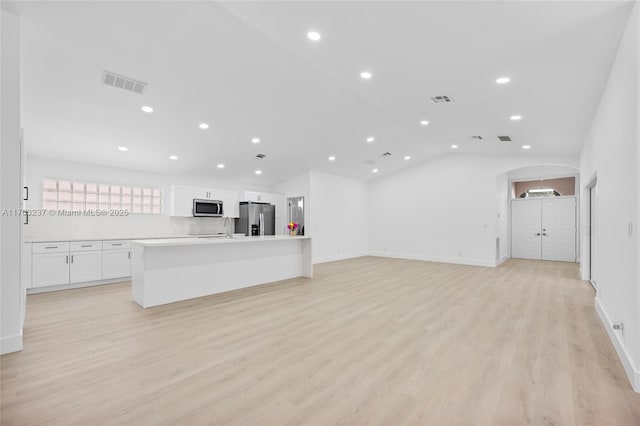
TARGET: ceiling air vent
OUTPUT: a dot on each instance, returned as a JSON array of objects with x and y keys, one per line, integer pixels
[
  {"x": 441, "y": 99},
  {"x": 476, "y": 138},
  {"x": 504, "y": 138},
  {"x": 121, "y": 82},
  {"x": 386, "y": 154},
  {"x": 261, "y": 156}
]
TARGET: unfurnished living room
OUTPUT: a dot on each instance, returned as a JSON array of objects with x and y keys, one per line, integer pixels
[{"x": 320, "y": 212}]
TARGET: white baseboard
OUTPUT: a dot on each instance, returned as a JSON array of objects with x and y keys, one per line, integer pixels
[
  {"x": 502, "y": 259},
  {"x": 35, "y": 290},
  {"x": 627, "y": 362},
  {"x": 11, "y": 344},
  {"x": 456, "y": 260},
  {"x": 334, "y": 258}
]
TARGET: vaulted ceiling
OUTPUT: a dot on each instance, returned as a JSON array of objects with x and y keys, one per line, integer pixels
[{"x": 248, "y": 70}]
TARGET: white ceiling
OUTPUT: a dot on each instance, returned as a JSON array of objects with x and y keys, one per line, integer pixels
[{"x": 248, "y": 69}]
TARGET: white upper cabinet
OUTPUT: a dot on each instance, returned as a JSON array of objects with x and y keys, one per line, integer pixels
[{"x": 181, "y": 200}]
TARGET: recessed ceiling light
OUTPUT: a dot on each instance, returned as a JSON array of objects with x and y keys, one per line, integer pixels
[
  {"x": 371, "y": 139},
  {"x": 516, "y": 117},
  {"x": 258, "y": 172},
  {"x": 407, "y": 157},
  {"x": 503, "y": 80},
  {"x": 366, "y": 75},
  {"x": 526, "y": 146},
  {"x": 374, "y": 171},
  {"x": 314, "y": 35},
  {"x": 123, "y": 148},
  {"x": 332, "y": 158},
  {"x": 255, "y": 140},
  {"x": 204, "y": 126},
  {"x": 173, "y": 157},
  {"x": 221, "y": 166},
  {"x": 424, "y": 122},
  {"x": 454, "y": 146},
  {"x": 147, "y": 109}
]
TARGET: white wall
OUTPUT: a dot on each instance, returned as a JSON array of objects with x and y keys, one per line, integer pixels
[
  {"x": 445, "y": 209},
  {"x": 335, "y": 214},
  {"x": 611, "y": 154},
  {"x": 339, "y": 218},
  {"x": 11, "y": 299},
  {"x": 105, "y": 227}
]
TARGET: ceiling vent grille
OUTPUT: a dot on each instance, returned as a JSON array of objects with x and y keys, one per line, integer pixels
[
  {"x": 386, "y": 154},
  {"x": 505, "y": 138},
  {"x": 476, "y": 138},
  {"x": 441, "y": 99},
  {"x": 121, "y": 82},
  {"x": 261, "y": 156}
]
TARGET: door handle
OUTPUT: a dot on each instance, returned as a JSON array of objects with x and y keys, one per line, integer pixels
[
  {"x": 71, "y": 258},
  {"x": 26, "y": 195},
  {"x": 544, "y": 234},
  {"x": 26, "y": 219},
  {"x": 537, "y": 234},
  {"x": 67, "y": 260}
]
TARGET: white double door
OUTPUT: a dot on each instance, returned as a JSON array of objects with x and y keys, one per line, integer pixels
[{"x": 544, "y": 229}]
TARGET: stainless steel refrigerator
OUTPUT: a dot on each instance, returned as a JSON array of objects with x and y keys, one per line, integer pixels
[{"x": 256, "y": 219}]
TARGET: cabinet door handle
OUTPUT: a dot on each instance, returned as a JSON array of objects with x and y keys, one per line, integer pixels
[
  {"x": 67, "y": 259},
  {"x": 71, "y": 258},
  {"x": 129, "y": 255},
  {"x": 119, "y": 244},
  {"x": 26, "y": 195},
  {"x": 86, "y": 245},
  {"x": 51, "y": 247},
  {"x": 26, "y": 219}
]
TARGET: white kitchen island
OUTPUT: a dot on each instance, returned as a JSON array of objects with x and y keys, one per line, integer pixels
[{"x": 169, "y": 270}]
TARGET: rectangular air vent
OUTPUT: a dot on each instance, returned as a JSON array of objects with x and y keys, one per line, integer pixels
[
  {"x": 121, "y": 82},
  {"x": 261, "y": 156},
  {"x": 504, "y": 138},
  {"x": 476, "y": 138},
  {"x": 441, "y": 99}
]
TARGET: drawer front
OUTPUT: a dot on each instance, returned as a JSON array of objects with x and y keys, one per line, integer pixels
[
  {"x": 115, "y": 245},
  {"x": 52, "y": 247},
  {"x": 86, "y": 245}
]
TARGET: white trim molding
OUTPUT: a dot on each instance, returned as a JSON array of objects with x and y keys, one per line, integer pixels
[
  {"x": 325, "y": 259},
  {"x": 11, "y": 344},
  {"x": 454, "y": 260},
  {"x": 633, "y": 374}
]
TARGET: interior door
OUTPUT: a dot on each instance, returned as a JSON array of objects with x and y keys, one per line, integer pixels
[
  {"x": 526, "y": 217},
  {"x": 593, "y": 215},
  {"x": 559, "y": 229}
]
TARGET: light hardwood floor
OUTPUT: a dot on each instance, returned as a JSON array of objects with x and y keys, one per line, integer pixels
[{"x": 367, "y": 341}]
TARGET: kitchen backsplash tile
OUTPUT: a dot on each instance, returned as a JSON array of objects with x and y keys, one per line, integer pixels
[{"x": 65, "y": 227}]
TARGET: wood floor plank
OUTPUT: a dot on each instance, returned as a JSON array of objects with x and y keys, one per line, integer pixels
[{"x": 366, "y": 341}]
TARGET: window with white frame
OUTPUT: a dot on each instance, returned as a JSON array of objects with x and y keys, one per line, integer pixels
[{"x": 78, "y": 196}]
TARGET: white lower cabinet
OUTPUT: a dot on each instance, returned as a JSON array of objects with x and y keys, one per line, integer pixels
[
  {"x": 49, "y": 269},
  {"x": 85, "y": 266},
  {"x": 59, "y": 263},
  {"x": 116, "y": 264}
]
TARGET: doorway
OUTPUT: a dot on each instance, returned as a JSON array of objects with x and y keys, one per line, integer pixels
[
  {"x": 296, "y": 212},
  {"x": 544, "y": 228},
  {"x": 593, "y": 217}
]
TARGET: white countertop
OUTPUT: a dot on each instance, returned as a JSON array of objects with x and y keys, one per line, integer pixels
[
  {"x": 159, "y": 242},
  {"x": 111, "y": 238}
]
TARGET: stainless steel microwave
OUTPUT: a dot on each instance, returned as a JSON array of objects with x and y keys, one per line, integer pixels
[{"x": 207, "y": 208}]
